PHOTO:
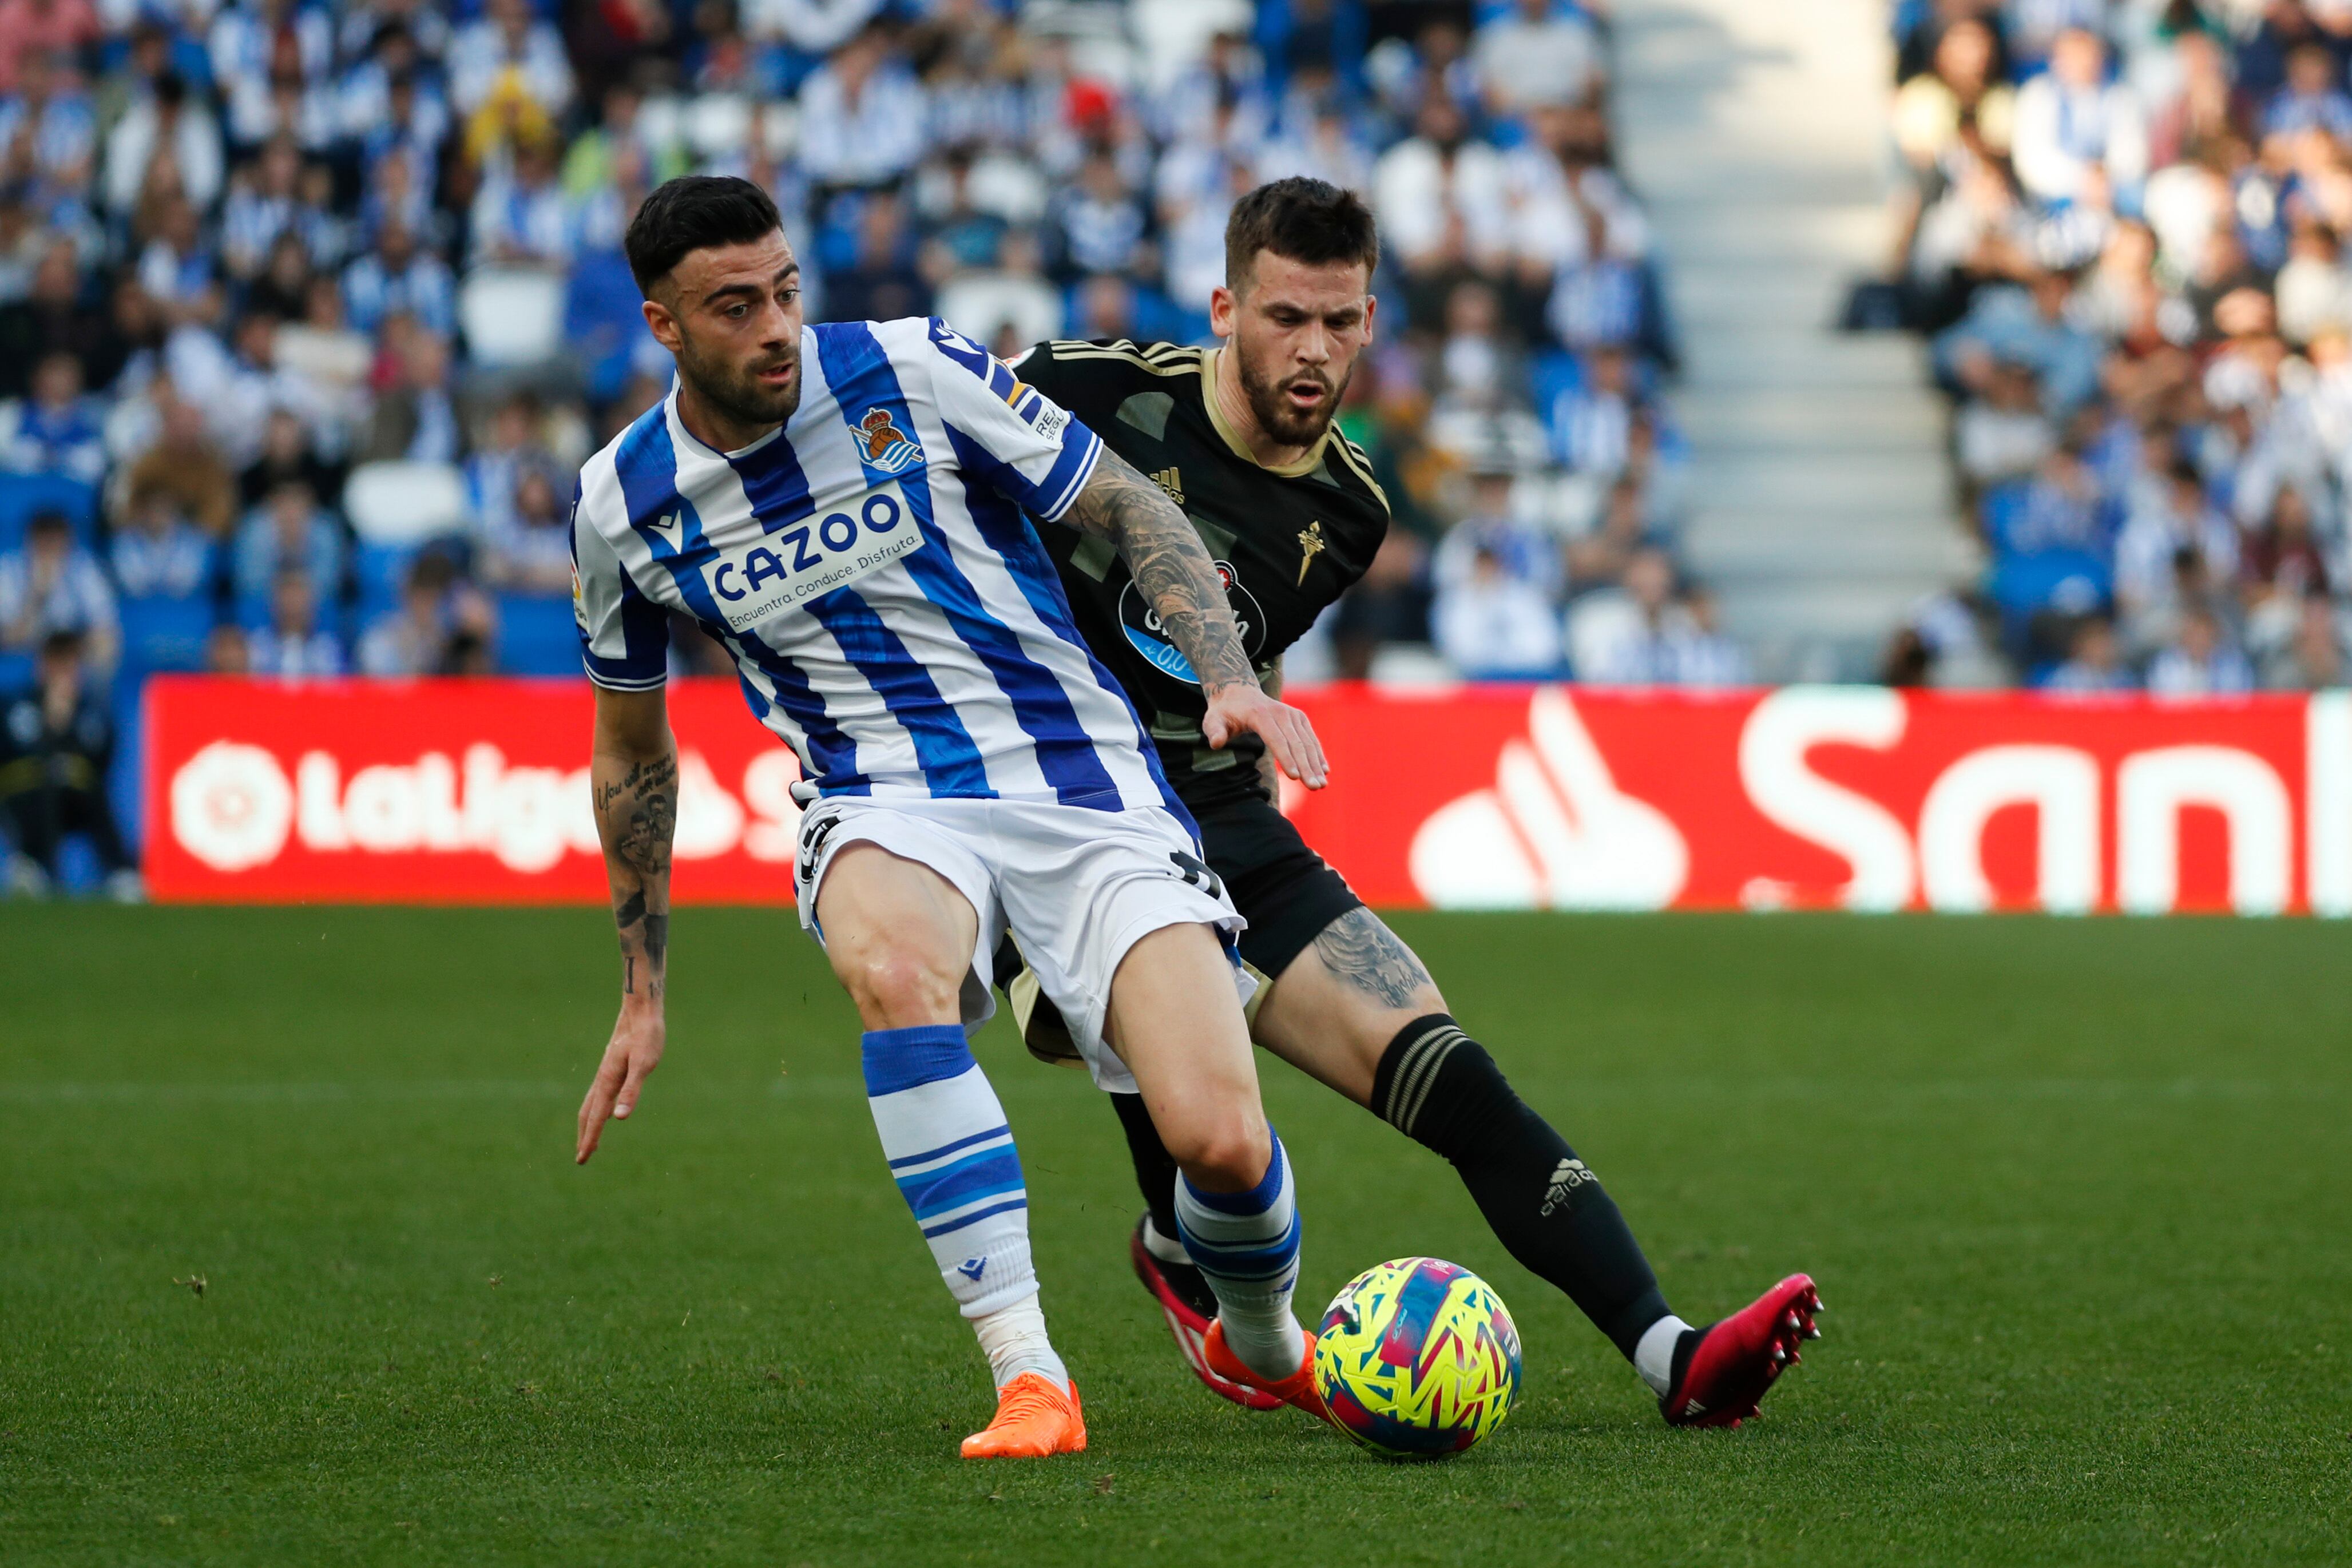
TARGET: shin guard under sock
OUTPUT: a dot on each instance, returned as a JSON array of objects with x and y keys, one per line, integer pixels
[
  {"x": 1439, "y": 1087},
  {"x": 952, "y": 1155}
]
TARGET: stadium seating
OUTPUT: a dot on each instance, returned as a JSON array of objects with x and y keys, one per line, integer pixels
[
  {"x": 512, "y": 317},
  {"x": 537, "y": 636},
  {"x": 23, "y": 495},
  {"x": 165, "y": 633},
  {"x": 403, "y": 503}
]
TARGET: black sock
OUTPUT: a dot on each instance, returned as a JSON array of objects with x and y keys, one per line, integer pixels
[
  {"x": 1440, "y": 1087},
  {"x": 1155, "y": 1167}
]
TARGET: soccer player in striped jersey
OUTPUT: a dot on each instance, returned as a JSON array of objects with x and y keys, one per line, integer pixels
[
  {"x": 1241, "y": 437},
  {"x": 841, "y": 508}
]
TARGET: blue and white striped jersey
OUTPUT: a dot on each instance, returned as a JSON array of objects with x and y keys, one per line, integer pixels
[{"x": 892, "y": 615}]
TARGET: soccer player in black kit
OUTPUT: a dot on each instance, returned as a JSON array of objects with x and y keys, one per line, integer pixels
[{"x": 1241, "y": 437}]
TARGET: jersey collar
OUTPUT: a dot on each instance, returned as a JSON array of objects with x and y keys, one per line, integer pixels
[
  {"x": 678, "y": 425},
  {"x": 1298, "y": 470}
]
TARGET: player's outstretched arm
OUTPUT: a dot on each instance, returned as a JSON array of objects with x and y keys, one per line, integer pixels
[
  {"x": 1179, "y": 581},
  {"x": 633, "y": 776}
]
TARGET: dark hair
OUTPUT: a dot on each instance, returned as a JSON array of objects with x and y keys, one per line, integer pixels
[
  {"x": 1309, "y": 221},
  {"x": 690, "y": 213},
  {"x": 49, "y": 520}
]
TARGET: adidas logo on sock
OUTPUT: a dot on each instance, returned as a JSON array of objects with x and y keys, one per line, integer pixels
[
  {"x": 1571, "y": 1175},
  {"x": 973, "y": 1267}
]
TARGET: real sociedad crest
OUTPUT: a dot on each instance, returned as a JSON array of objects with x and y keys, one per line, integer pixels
[{"x": 888, "y": 447}]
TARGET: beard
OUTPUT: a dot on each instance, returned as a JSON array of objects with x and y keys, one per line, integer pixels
[
  {"x": 735, "y": 390},
  {"x": 1274, "y": 415}
]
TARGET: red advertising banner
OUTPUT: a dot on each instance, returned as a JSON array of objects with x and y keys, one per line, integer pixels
[{"x": 1489, "y": 796}]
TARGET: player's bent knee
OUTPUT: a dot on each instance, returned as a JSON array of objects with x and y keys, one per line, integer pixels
[
  {"x": 897, "y": 987},
  {"x": 1222, "y": 1153}
]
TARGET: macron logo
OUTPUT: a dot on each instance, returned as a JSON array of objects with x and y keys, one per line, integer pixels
[{"x": 973, "y": 1267}]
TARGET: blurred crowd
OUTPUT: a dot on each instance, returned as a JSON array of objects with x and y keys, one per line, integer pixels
[
  {"x": 309, "y": 313},
  {"x": 2125, "y": 223}
]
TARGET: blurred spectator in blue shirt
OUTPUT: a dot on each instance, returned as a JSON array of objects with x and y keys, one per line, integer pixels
[
  {"x": 48, "y": 133},
  {"x": 2024, "y": 326},
  {"x": 1535, "y": 53},
  {"x": 2093, "y": 664},
  {"x": 156, "y": 552},
  {"x": 2201, "y": 661},
  {"x": 514, "y": 446},
  {"x": 58, "y": 429},
  {"x": 527, "y": 550},
  {"x": 417, "y": 638},
  {"x": 394, "y": 65},
  {"x": 508, "y": 49},
  {"x": 395, "y": 274},
  {"x": 288, "y": 532},
  {"x": 1591, "y": 424},
  {"x": 2314, "y": 97},
  {"x": 178, "y": 270},
  {"x": 522, "y": 216},
  {"x": 293, "y": 646},
  {"x": 1493, "y": 624},
  {"x": 1528, "y": 552},
  {"x": 2071, "y": 118},
  {"x": 863, "y": 116},
  {"x": 1097, "y": 224},
  {"x": 53, "y": 585}
]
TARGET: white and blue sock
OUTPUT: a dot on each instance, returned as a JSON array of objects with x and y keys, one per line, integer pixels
[
  {"x": 1245, "y": 1245},
  {"x": 952, "y": 1153}
]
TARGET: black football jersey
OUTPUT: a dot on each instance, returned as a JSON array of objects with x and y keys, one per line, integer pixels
[{"x": 1286, "y": 542}]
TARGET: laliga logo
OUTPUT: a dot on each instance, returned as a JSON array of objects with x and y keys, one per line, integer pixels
[
  {"x": 234, "y": 807},
  {"x": 1555, "y": 830}
]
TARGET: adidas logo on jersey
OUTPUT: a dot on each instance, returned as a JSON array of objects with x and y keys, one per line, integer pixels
[
  {"x": 1571, "y": 1175},
  {"x": 1170, "y": 480}
]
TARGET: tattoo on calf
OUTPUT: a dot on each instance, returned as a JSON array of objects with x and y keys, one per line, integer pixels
[{"x": 1367, "y": 956}]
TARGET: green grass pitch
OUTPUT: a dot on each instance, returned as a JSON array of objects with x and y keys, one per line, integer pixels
[{"x": 2076, "y": 1193}]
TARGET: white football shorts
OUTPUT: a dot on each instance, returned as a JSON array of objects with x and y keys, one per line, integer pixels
[{"x": 1076, "y": 887}]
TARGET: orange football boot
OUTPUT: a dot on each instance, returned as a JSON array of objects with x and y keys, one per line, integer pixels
[
  {"x": 1297, "y": 1389},
  {"x": 1034, "y": 1418}
]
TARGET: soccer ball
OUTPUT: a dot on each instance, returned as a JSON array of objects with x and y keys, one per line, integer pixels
[{"x": 1417, "y": 1359}]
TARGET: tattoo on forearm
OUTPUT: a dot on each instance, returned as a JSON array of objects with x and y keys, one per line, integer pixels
[
  {"x": 1171, "y": 565},
  {"x": 1367, "y": 956},
  {"x": 643, "y": 834},
  {"x": 639, "y": 815}
]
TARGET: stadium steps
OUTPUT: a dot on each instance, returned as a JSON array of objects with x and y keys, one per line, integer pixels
[{"x": 1756, "y": 135}]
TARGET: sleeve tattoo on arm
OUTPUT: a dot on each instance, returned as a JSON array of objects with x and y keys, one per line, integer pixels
[
  {"x": 640, "y": 811},
  {"x": 1367, "y": 956},
  {"x": 1170, "y": 564}
]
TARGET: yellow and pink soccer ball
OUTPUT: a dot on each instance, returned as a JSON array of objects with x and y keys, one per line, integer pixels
[{"x": 1417, "y": 1358}]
